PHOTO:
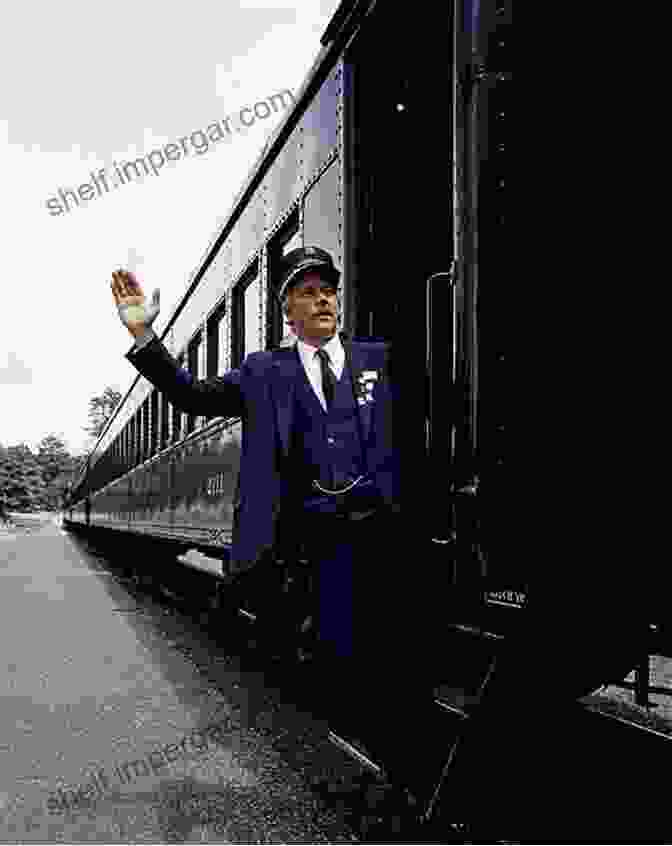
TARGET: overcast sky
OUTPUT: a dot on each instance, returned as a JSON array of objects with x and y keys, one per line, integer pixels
[{"x": 82, "y": 86}]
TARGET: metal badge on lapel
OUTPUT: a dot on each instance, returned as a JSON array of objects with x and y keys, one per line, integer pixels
[{"x": 365, "y": 385}]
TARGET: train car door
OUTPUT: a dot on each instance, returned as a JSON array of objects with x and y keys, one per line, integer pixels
[{"x": 423, "y": 254}]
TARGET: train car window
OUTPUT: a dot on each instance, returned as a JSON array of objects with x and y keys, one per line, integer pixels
[
  {"x": 144, "y": 437},
  {"x": 201, "y": 362},
  {"x": 138, "y": 435},
  {"x": 195, "y": 360},
  {"x": 289, "y": 237},
  {"x": 246, "y": 315},
  {"x": 131, "y": 442},
  {"x": 175, "y": 423},
  {"x": 137, "y": 432},
  {"x": 136, "y": 438},
  {"x": 215, "y": 358},
  {"x": 127, "y": 445},
  {"x": 145, "y": 430},
  {"x": 170, "y": 424},
  {"x": 154, "y": 421},
  {"x": 252, "y": 314},
  {"x": 202, "y": 371},
  {"x": 223, "y": 346},
  {"x": 216, "y": 341},
  {"x": 164, "y": 422},
  {"x": 179, "y": 423}
]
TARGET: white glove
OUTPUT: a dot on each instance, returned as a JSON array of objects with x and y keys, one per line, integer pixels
[{"x": 135, "y": 311}]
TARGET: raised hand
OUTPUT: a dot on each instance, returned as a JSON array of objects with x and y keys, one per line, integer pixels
[{"x": 134, "y": 312}]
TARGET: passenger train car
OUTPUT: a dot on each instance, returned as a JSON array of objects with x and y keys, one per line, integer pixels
[
  {"x": 393, "y": 157},
  {"x": 385, "y": 159}
]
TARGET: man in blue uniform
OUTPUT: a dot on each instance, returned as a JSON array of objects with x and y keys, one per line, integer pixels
[
  {"x": 317, "y": 442},
  {"x": 318, "y": 467}
]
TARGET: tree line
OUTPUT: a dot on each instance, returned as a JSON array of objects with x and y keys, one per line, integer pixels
[{"x": 41, "y": 480}]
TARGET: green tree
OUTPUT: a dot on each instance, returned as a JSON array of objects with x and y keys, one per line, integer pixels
[
  {"x": 57, "y": 466},
  {"x": 45, "y": 480},
  {"x": 21, "y": 485},
  {"x": 100, "y": 410},
  {"x": 53, "y": 457},
  {"x": 4, "y": 483}
]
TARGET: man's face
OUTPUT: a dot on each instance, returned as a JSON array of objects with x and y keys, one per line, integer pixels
[{"x": 312, "y": 307}]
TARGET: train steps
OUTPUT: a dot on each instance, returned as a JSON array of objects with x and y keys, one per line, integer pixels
[
  {"x": 433, "y": 741},
  {"x": 543, "y": 768}
]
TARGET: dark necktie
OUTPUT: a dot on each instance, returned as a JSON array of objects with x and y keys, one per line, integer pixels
[{"x": 328, "y": 378}]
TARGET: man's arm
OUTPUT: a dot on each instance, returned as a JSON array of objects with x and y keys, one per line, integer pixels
[
  {"x": 216, "y": 397},
  {"x": 219, "y": 396}
]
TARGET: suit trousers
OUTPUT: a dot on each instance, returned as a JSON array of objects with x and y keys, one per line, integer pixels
[
  {"x": 346, "y": 557},
  {"x": 372, "y": 682}
]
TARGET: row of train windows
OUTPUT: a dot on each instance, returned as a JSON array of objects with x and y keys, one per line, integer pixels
[{"x": 157, "y": 423}]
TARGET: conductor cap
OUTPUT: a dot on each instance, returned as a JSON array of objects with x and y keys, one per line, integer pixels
[{"x": 298, "y": 261}]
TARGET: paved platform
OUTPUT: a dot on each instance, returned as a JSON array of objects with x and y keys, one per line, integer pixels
[{"x": 122, "y": 720}]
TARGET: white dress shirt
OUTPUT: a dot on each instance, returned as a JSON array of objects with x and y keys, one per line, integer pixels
[{"x": 311, "y": 363}]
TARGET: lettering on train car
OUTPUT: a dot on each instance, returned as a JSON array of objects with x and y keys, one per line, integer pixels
[
  {"x": 215, "y": 485},
  {"x": 515, "y": 598}
]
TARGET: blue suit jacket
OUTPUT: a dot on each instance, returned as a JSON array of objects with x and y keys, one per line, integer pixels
[{"x": 261, "y": 393}]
